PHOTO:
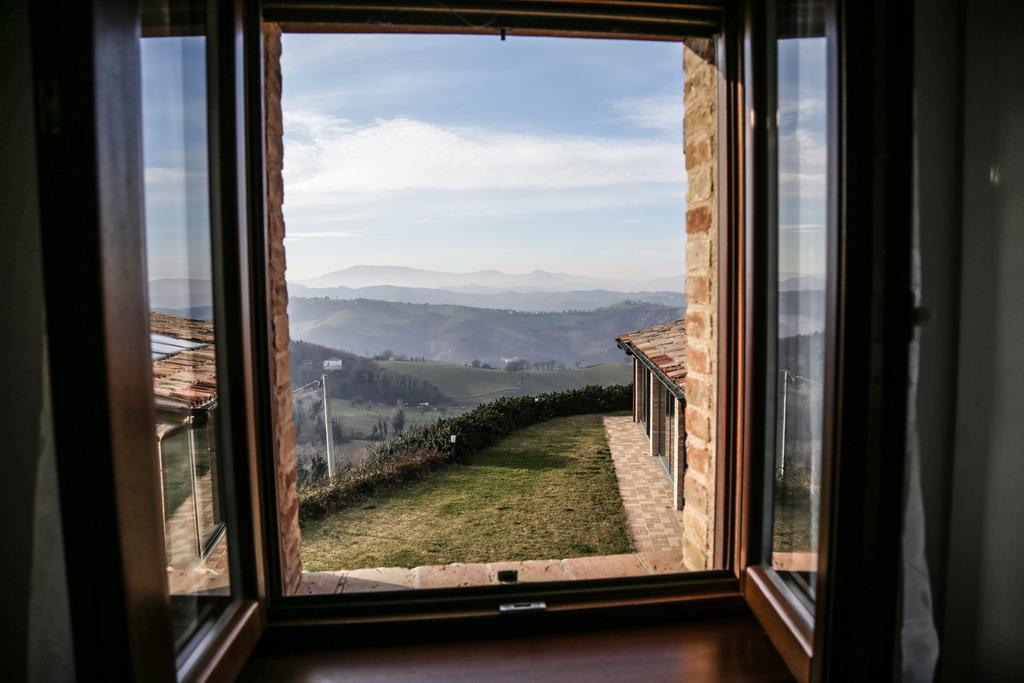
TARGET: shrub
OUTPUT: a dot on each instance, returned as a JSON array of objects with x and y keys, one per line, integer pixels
[{"x": 427, "y": 448}]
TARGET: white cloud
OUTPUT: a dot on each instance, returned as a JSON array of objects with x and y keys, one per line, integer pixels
[
  {"x": 299, "y": 235},
  {"x": 173, "y": 183},
  {"x": 661, "y": 112},
  {"x": 329, "y": 157},
  {"x": 443, "y": 191}
]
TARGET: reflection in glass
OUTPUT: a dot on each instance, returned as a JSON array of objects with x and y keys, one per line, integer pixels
[
  {"x": 182, "y": 335},
  {"x": 802, "y": 230}
]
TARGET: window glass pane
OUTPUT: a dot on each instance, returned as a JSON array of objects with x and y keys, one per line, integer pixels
[
  {"x": 180, "y": 535},
  {"x": 801, "y": 262},
  {"x": 207, "y": 503},
  {"x": 183, "y": 338},
  {"x": 477, "y": 277}
]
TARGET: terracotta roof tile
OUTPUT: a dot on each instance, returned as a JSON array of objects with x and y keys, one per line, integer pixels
[
  {"x": 181, "y": 328},
  {"x": 664, "y": 346},
  {"x": 186, "y": 379}
]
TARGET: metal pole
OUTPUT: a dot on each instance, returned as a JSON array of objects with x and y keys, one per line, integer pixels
[
  {"x": 328, "y": 426},
  {"x": 785, "y": 392}
]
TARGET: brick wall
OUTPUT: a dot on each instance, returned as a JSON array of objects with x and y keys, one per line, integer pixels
[
  {"x": 281, "y": 372},
  {"x": 700, "y": 144}
]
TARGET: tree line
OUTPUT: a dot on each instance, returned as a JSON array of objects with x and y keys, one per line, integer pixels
[{"x": 359, "y": 378}]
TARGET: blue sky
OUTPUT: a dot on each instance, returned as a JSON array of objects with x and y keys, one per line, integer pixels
[
  {"x": 462, "y": 152},
  {"x": 802, "y": 120},
  {"x": 174, "y": 134}
]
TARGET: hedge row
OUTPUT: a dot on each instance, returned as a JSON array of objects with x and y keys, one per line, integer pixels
[{"x": 427, "y": 448}]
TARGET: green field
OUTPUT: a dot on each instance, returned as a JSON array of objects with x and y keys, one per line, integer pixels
[
  {"x": 476, "y": 385},
  {"x": 363, "y": 416},
  {"x": 548, "y": 491}
]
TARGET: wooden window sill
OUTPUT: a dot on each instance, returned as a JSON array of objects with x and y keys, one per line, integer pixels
[
  {"x": 720, "y": 649},
  {"x": 788, "y": 629}
]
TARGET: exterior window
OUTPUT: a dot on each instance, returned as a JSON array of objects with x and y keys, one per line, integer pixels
[
  {"x": 182, "y": 334},
  {"x": 668, "y": 453},
  {"x": 802, "y": 222},
  {"x": 645, "y": 389}
]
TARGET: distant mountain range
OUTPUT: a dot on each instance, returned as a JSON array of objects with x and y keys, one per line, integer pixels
[
  {"x": 538, "y": 291},
  {"x": 801, "y": 311},
  {"x": 507, "y": 300},
  {"x": 180, "y": 293},
  {"x": 789, "y": 282},
  {"x": 467, "y": 315},
  {"x": 460, "y": 334},
  {"x": 486, "y": 281}
]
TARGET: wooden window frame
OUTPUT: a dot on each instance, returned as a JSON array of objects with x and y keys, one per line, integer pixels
[
  {"x": 665, "y": 21},
  {"x": 86, "y": 66},
  {"x": 85, "y": 58},
  {"x": 853, "y": 631}
]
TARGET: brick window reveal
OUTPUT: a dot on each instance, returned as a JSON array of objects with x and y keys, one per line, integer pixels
[
  {"x": 700, "y": 138},
  {"x": 281, "y": 372}
]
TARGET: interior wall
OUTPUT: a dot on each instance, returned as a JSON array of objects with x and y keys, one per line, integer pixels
[
  {"x": 34, "y": 620},
  {"x": 983, "y": 619},
  {"x": 969, "y": 90}
]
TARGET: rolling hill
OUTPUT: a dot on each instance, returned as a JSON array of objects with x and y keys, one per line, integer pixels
[
  {"x": 459, "y": 334},
  {"x": 577, "y": 300}
]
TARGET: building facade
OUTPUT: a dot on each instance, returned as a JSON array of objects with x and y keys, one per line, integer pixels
[
  {"x": 659, "y": 399},
  {"x": 185, "y": 396}
]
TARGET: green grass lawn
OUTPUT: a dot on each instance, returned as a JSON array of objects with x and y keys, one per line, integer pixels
[
  {"x": 467, "y": 384},
  {"x": 545, "y": 492},
  {"x": 791, "y": 521}
]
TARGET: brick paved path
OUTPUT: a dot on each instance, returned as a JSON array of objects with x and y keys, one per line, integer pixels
[{"x": 653, "y": 524}]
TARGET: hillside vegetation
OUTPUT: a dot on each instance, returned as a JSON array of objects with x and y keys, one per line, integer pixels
[
  {"x": 586, "y": 300},
  {"x": 459, "y": 334},
  {"x": 359, "y": 378},
  {"x": 467, "y": 384}
]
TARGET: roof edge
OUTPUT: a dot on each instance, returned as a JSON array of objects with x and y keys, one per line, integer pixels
[{"x": 658, "y": 372}]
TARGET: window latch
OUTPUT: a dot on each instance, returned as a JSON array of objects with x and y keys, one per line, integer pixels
[{"x": 512, "y": 607}]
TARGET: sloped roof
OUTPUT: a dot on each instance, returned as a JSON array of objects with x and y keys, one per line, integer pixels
[
  {"x": 184, "y": 362},
  {"x": 181, "y": 328},
  {"x": 662, "y": 347}
]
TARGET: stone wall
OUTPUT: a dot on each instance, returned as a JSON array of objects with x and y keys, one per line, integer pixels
[
  {"x": 281, "y": 372},
  {"x": 700, "y": 127}
]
